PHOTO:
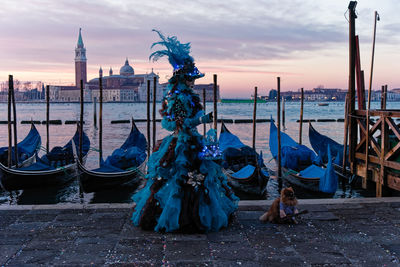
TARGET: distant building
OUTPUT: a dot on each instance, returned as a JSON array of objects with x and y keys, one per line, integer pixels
[
  {"x": 316, "y": 94},
  {"x": 328, "y": 94},
  {"x": 392, "y": 95},
  {"x": 272, "y": 94},
  {"x": 23, "y": 91},
  {"x": 123, "y": 87},
  {"x": 72, "y": 93},
  {"x": 80, "y": 62},
  {"x": 198, "y": 89}
]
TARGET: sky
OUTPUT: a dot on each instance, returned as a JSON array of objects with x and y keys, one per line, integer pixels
[{"x": 246, "y": 43}]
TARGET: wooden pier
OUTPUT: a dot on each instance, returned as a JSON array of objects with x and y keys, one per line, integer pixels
[
  {"x": 374, "y": 137},
  {"x": 381, "y": 159}
]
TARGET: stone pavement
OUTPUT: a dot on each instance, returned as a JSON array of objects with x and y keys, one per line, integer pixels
[{"x": 335, "y": 232}]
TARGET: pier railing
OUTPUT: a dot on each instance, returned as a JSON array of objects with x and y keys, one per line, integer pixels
[{"x": 381, "y": 162}]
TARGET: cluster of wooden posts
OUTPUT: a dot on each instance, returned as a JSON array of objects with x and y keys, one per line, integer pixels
[
  {"x": 278, "y": 125},
  {"x": 11, "y": 101},
  {"x": 150, "y": 119},
  {"x": 374, "y": 145},
  {"x": 153, "y": 117}
]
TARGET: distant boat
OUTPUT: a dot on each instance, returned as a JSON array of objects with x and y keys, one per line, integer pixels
[{"x": 323, "y": 104}]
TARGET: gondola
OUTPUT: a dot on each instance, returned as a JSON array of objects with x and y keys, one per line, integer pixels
[
  {"x": 27, "y": 149},
  {"x": 117, "y": 172},
  {"x": 54, "y": 168},
  {"x": 243, "y": 167},
  {"x": 320, "y": 144},
  {"x": 300, "y": 165}
]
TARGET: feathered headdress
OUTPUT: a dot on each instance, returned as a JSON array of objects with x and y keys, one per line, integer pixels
[{"x": 178, "y": 56}]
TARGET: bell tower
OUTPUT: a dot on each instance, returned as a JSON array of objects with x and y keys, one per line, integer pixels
[{"x": 80, "y": 62}]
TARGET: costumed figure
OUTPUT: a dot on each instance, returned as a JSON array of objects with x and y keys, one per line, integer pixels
[{"x": 185, "y": 189}]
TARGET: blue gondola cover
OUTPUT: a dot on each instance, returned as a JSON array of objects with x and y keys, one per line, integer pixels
[
  {"x": 131, "y": 154},
  {"x": 294, "y": 156},
  {"x": 26, "y": 148},
  {"x": 328, "y": 183},
  {"x": 320, "y": 145}
]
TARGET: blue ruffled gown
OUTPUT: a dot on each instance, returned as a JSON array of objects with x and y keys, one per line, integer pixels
[{"x": 183, "y": 191}]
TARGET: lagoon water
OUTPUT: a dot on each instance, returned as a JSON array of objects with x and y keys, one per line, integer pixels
[{"x": 115, "y": 134}]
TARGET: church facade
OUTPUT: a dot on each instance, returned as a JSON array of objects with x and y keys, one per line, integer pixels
[
  {"x": 126, "y": 86},
  {"x": 123, "y": 87}
]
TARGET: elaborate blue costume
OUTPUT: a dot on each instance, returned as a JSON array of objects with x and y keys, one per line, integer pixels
[{"x": 184, "y": 190}]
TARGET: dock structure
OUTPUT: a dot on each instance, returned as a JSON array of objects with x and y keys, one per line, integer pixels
[
  {"x": 374, "y": 137},
  {"x": 379, "y": 161}
]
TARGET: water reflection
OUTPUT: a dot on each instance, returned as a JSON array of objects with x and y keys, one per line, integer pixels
[
  {"x": 115, "y": 134},
  {"x": 48, "y": 195},
  {"x": 70, "y": 193}
]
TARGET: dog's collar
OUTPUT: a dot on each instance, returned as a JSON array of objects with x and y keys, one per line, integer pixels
[{"x": 286, "y": 208}]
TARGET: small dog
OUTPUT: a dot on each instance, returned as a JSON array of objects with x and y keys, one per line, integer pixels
[{"x": 283, "y": 209}]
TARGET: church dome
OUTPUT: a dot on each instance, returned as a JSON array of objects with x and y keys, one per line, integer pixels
[{"x": 126, "y": 69}]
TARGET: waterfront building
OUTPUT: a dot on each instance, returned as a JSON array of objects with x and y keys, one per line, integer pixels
[
  {"x": 392, "y": 95},
  {"x": 80, "y": 62},
  {"x": 272, "y": 94},
  {"x": 198, "y": 89},
  {"x": 127, "y": 86},
  {"x": 316, "y": 94},
  {"x": 23, "y": 91},
  {"x": 72, "y": 93}
]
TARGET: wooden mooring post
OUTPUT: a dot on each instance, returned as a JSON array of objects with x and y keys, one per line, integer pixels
[
  {"x": 154, "y": 111},
  {"x": 204, "y": 109},
  {"x": 384, "y": 150},
  {"x": 10, "y": 88},
  {"x": 47, "y": 118},
  {"x": 283, "y": 114},
  {"x": 11, "y": 104},
  {"x": 346, "y": 133},
  {"x": 278, "y": 124},
  {"x": 94, "y": 113},
  {"x": 215, "y": 102},
  {"x": 100, "y": 118},
  {"x": 352, "y": 80},
  {"x": 254, "y": 117},
  {"x": 385, "y": 97},
  {"x": 148, "y": 118},
  {"x": 301, "y": 115},
  {"x": 14, "y": 126},
  {"x": 81, "y": 126}
]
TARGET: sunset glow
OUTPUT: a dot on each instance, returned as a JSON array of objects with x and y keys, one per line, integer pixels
[{"x": 247, "y": 43}]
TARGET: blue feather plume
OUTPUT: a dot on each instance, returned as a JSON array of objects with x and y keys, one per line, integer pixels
[{"x": 177, "y": 53}]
